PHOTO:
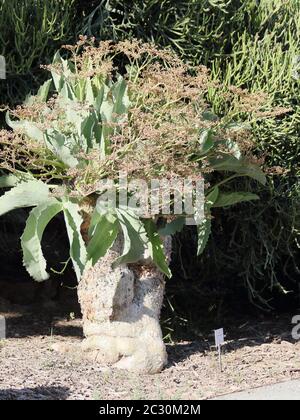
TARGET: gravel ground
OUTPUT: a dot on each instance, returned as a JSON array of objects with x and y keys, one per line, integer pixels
[{"x": 256, "y": 354}]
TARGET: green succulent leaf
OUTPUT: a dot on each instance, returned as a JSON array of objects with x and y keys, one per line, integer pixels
[
  {"x": 114, "y": 101},
  {"x": 26, "y": 127},
  {"x": 241, "y": 167},
  {"x": 103, "y": 232},
  {"x": 56, "y": 77},
  {"x": 212, "y": 197},
  {"x": 66, "y": 69},
  {"x": 80, "y": 90},
  {"x": 89, "y": 95},
  {"x": 156, "y": 248},
  {"x": 106, "y": 112},
  {"x": 171, "y": 228},
  {"x": 209, "y": 116},
  {"x": 24, "y": 194},
  {"x": 62, "y": 146},
  {"x": 8, "y": 181},
  {"x": 135, "y": 237},
  {"x": 204, "y": 226},
  {"x": 37, "y": 221},
  {"x": 204, "y": 231},
  {"x": 67, "y": 91},
  {"x": 234, "y": 148},
  {"x": 206, "y": 141},
  {"x": 73, "y": 222},
  {"x": 236, "y": 126},
  {"x": 229, "y": 199},
  {"x": 102, "y": 94},
  {"x": 90, "y": 131},
  {"x": 43, "y": 91},
  {"x": 121, "y": 99}
]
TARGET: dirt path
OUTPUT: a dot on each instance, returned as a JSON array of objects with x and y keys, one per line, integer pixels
[
  {"x": 286, "y": 391},
  {"x": 255, "y": 355}
]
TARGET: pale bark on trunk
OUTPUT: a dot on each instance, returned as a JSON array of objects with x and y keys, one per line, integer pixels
[{"x": 121, "y": 309}]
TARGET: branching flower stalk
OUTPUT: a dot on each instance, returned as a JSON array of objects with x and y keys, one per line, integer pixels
[{"x": 114, "y": 108}]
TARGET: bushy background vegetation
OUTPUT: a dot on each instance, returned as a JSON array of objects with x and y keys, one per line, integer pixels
[
  {"x": 30, "y": 34},
  {"x": 252, "y": 44}
]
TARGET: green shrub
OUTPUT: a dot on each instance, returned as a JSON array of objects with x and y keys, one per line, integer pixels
[
  {"x": 31, "y": 31},
  {"x": 197, "y": 29},
  {"x": 268, "y": 239}
]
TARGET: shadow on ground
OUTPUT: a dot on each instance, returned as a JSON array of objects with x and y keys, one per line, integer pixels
[
  {"x": 38, "y": 393},
  {"x": 23, "y": 322},
  {"x": 27, "y": 325}
]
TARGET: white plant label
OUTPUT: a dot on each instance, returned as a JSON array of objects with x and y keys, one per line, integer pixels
[
  {"x": 219, "y": 340},
  {"x": 219, "y": 337}
]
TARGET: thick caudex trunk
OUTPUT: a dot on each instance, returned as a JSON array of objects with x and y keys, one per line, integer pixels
[{"x": 121, "y": 308}]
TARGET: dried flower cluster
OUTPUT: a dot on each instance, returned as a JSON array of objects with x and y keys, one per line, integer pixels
[{"x": 159, "y": 138}]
